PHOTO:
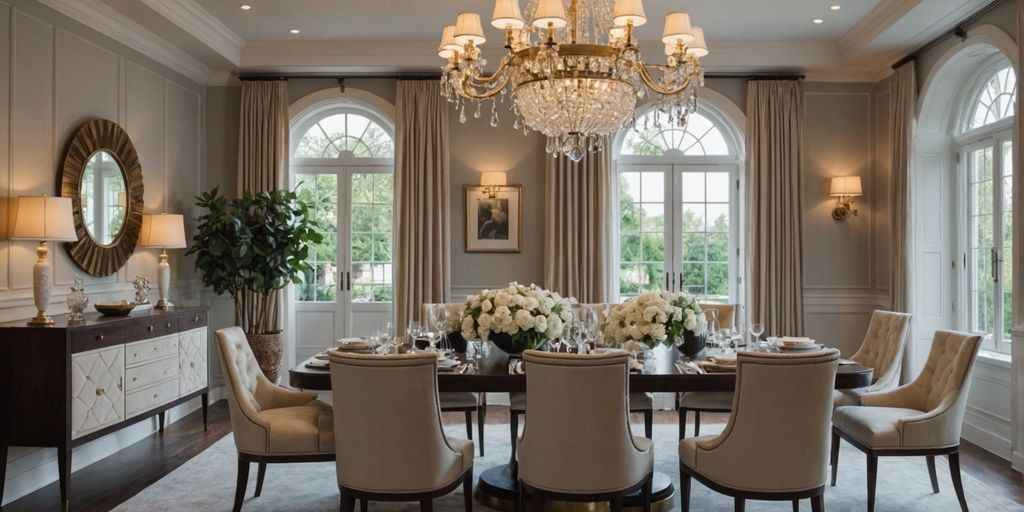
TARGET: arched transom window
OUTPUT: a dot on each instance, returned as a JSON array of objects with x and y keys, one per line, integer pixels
[
  {"x": 346, "y": 133},
  {"x": 655, "y": 135},
  {"x": 995, "y": 99}
]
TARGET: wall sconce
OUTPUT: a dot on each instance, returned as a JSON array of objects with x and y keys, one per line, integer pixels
[
  {"x": 845, "y": 189},
  {"x": 492, "y": 181}
]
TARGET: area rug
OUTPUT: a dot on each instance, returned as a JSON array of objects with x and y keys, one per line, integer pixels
[{"x": 207, "y": 483}]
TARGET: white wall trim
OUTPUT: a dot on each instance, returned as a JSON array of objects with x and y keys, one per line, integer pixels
[
  {"x": 108, "y": 21},
  {"x": 202, "y": 25}
]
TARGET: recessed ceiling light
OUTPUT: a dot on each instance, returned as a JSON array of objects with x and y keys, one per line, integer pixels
[
  {"x": 818, "y": 21},
  {"x": 835, "y": 7},
  {"x": 245, "y": 7},
  {"x": 294, "y": 31}
]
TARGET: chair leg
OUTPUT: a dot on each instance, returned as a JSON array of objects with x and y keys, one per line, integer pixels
[
  {"x": 648, "y": 489},
  {"x": 958, "y": 485},
  {"x": 818, "y": 503},
  {"x": 350, "y": 503},
  {"x": 872, "y": 479},
  {"x": 696, "y": 423},
  {"x": 684, "y": 491},
  {"x": 243, "y": 479},
  {"x": 616, "y": 504},
  {"x": 469, "y": 424},
  {"x": 740, "y": 504},
  {"x": 481, "y": 411},
  {"x": 261, "y": 472},
  {"x": 363, "y": 505},
  {"x": 513, "y": 424},
  {"x": 467, "y": 490},
  {"x": 521, "y": 498},
  {"x": 931, "y": 473},
  {"x": 835, "y": 456},
  {"x": 796, "y": 505},
  {"x": 426, "y": 505},
  {"x": 682, "y": 423},
  {"x": 649, "y": 423}
]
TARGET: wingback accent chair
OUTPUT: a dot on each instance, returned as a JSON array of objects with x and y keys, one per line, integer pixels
[
  {"x": 775, "y": 446},
  {"x": 882, "y": 350},
  {"x": 591, "y": 389},
  {"x": 389, "y": 437},
  {"x": 707, "y": 401},
  {"x": 271, "y": 424},
  {"x": 922, "y": 418}
]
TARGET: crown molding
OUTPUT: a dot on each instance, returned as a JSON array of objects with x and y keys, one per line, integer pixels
[
  {"x": 200, "y": 24},
  {"x": 223, "y": 79},
  {"x": 916, "y": 22},
  {"x": 111, "y": 23},
  {"x": 878, "y": 20}
]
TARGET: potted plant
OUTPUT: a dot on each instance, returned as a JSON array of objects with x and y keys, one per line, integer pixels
[
  {"x": 654, "y": 318},
  {"x": 249, "y": 248},
  {"x": 517, "y": 318}
]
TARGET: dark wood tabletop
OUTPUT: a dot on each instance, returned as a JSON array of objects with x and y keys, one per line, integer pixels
[{"x": 658, "y": 376}]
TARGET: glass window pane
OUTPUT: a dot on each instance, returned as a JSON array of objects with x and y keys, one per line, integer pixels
[
  {"x": 718, "y": 217},
  {"x": 693, "y": 246},
  {"x": 629, "y": 247},
  {"x": 652, "y": 187},
  {"x": 718, "y": 187},
  {"x": 996, "y": 98},
  {"x": 653, "y": 217},
  {"x": 362, "y": 218},
  {"x": 654, "y": 247},
  {"x": 693, "y": 217},
  {"x": 693, "y": 187}
]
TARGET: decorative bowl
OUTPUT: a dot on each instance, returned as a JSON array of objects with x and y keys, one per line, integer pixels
[
  {"x": 115, "y": 309},
  {"x": 692, "y": 343},
  {"x": 507, "y": 344}
]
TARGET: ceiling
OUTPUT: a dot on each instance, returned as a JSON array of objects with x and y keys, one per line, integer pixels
[{"x": 213, "y": 40}]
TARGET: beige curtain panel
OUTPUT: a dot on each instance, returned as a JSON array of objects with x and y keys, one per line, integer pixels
[
  {"x": 576, "y": 203},
  {"x": 263, "y": 134},
  {"x": 775, "y": 178},
  {"x": 422, "y": 199},
  {"x": 904, "y": 108}
]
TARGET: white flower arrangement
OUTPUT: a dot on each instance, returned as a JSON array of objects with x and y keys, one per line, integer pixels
[
  {"x": 655, "y": 317},
  {"x": 531, "y": 315}
]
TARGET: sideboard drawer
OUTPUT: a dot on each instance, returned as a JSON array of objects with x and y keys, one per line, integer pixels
[
  {"x": 96, "y": 337},
  {"x": 146, "y": 399},
  {"x": 192, "y": 321},
  {"x": 149, "y": 350},
  {"x": 151, "y": 328},
  {"x": 144, "y": 375}
]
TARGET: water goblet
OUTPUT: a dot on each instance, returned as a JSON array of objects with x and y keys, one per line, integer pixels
[{"x": 756, "y": 330}]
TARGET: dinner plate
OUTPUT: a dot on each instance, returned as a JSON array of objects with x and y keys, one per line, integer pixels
[
  {"x": 799, "y": 348},
  {"x": 447, "y": 363}
]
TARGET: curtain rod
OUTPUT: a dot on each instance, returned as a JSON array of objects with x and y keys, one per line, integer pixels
[
  {"x": 957, "y": 31},
  {"x": 246, "y": 77}
]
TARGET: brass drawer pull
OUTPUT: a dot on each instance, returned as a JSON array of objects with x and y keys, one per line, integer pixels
[
  {"x": 155, "y": 395},
  {"x": 100, "y": 391},
  {"x": 168, "y": 325},
  {"x": 120, "y": 383},
  {"x": 149, "y": 328},
  {"x": 99, "y": 337},
  {"x": 193, "y": 363},
  {"x": 135, "y": 378}
]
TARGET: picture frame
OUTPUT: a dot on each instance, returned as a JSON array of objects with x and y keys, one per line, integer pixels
[{"x": 493, "y": 224}]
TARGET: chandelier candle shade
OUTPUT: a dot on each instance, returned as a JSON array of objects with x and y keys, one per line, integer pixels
[
  {"x": 43, "y": 219},
  {"x": 163, "y": 231},
  {"x": 573, "y": 70}
]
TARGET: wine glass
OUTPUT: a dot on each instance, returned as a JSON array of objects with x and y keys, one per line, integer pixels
[
  {"x": 415, "y": 331},
  {"x": 756, "y": 330},
  {"x": 438, "y": 322}
]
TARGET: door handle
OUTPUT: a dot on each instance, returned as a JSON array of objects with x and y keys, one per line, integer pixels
[
  {"x": 666, "y": 282},
  {"x": 673, "y": 282},
  {"x": 995, "y": 264}
]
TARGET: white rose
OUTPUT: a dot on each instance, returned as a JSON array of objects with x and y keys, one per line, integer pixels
[
  {"x": 555, "y": 326},
  {"x": 517, "y": 300},
  {"x": 513, "y": 329},
  {"x": 483, "y": 321},
  {"x": 540, "y": 324},
  {"x": 690, "y": 324},
  {"x": 530, "y": 303},
  {"x": 467, "y": 324},
  {"x": 486, "y": 305},
  {"x": 566, "y": 315},
  {"x": 658, "y": 332},
  {"x": 502, "y": 300},
  {"x": 524, "y": 319}
]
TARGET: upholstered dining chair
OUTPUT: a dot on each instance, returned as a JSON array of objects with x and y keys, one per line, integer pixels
[
  {"x": 464, "y": 402},
  {"x": 922, "y": 418},
  {"x": 775, "y": 446},
  {"x": 388, "y": 432},
  {"x": 882, "y": 351},
  {"x": 707, "y": 401},
  {"x": 271, "y": 424},
  {"x": 588, "y": 390}
]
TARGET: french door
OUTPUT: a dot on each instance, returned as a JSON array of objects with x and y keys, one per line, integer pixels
[
  {"x": 678, "y": 230},
  {"x": 350, "y": 290},
  {"x": 987, "y": 233}
]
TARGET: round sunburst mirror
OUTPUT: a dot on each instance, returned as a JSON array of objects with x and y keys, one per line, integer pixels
[{"x": 103, "y": 178}]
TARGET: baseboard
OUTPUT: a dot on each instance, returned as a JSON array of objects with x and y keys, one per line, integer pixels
[
  {"x": 984, "y": 433},
  {"x": 30, "y": 469}
]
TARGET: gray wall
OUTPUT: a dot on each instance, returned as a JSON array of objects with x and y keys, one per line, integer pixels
[{"x": 55, "y": 75}]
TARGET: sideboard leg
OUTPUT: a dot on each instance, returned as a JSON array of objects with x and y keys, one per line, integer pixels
[
  {"x": 64, "y": 468},
  {"x": 161, "y": 420},
  {"x": 206, "y": 407},
  {"x": 3, "y": 471}
]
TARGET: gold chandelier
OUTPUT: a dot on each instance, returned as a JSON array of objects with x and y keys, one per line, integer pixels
[{"x": 573, "y": 71}]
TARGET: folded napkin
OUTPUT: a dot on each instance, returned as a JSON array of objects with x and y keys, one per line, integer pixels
[
  {"x": 353, "y": 345},
  {"x": 318, "y": 364},
  {"x": 723, "y": 360},
  {"x": 791, "y": 341}
]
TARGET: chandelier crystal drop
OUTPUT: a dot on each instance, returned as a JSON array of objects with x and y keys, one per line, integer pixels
[{"x": 573, "y": 69}]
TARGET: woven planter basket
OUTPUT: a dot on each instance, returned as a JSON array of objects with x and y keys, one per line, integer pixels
[{"x": 268, "y": 348}]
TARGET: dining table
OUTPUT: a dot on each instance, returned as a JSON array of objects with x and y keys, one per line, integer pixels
[{"x": 492, "y": 373}]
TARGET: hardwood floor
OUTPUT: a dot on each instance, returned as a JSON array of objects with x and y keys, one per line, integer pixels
[{"x": 104, "y": 485}]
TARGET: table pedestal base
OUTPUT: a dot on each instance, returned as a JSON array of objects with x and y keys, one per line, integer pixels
[{"x": 497, "y": 489}]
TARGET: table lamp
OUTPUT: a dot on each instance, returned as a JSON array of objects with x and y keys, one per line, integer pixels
[
  {"x": 163, "y": 231},
  {"x": 43, "y": 219}
]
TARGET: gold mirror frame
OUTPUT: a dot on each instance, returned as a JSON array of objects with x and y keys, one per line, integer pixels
[{"x": 102, "y": 135}]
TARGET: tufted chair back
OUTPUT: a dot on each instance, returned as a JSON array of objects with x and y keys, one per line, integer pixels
[
  {"x": 726, "y": 314},
  {"x": 387, "y": 424},
  {"x": 883, "y": 348},
  {"x": 777, "y": 437},
  {"x": 940, "y": 392},
  {"x": 578, "y": 439}
]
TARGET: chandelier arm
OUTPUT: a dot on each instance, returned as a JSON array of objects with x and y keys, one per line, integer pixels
[
  {"x": 664, "y": 91},
  {"x": 485, "y": 79},
  {"x": 469, "y": 91}
]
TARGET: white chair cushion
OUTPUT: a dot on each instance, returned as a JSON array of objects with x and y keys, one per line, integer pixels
[
  {"x": 874, "y": 427},
  {"x": 707, "y": 400},
  {"x": 455, "y": 400},
  {"x": 303, "y": 429}
]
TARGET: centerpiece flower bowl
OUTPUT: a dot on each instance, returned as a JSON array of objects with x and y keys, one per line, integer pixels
[{"x": 517, "y": 318}]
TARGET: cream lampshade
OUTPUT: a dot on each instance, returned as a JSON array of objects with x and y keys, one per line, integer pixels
[
  {"x": 163, "y": 231},
  {"x": 468, "y": 29},
  {"x": 448, "y": 45},
  {"x": 847, "y": 186},
  {"x": 550, "y": 12},
  {"x": 677, "y": 26},
  {"x": 507, "y": 15},
  {"x": 43, "y": 219},
  {"x": 698, "y": 47},
  {"x": 492, "y": 181},
  {"x": 629, "y": 11}
]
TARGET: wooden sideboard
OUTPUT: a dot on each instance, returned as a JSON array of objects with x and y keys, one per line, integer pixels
[{"x": 66, "y": 385}]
